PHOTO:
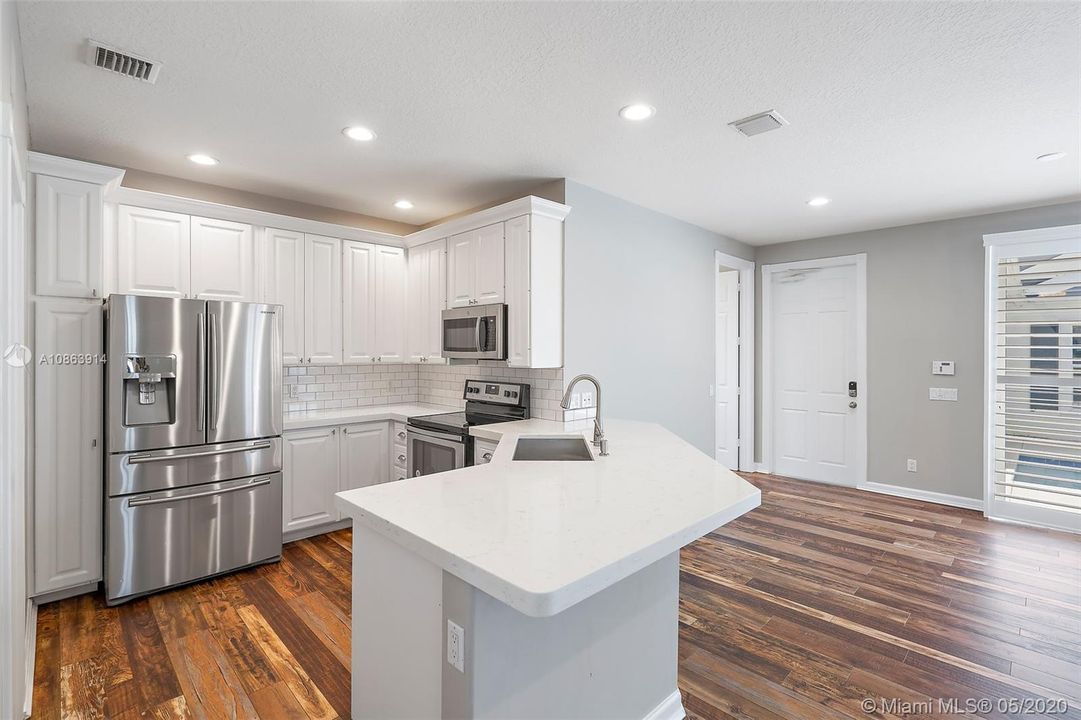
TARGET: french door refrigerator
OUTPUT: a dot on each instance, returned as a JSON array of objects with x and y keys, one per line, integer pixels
[{"x": 193, "y": 419}]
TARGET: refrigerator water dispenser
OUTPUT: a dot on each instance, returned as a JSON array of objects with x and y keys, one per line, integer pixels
[{"x": 149, "y": 389}]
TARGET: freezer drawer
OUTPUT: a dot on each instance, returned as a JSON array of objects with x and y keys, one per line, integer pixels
[
  {"x": 156, "y": 540},
  {"x": 155, "y": 470}
]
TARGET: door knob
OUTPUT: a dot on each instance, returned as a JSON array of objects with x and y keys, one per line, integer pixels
[{"x": 852, "y": 404}]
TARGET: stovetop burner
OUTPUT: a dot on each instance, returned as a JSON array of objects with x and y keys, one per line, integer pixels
[{"x": 485, "y": 403}]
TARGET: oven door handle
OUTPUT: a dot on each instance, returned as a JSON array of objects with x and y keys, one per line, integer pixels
[{"x": 435, "y": 435}]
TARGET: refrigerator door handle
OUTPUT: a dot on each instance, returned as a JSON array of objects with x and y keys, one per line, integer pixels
[
  {"x": 215, "y": 369},
  {"x": 152, "y": 500},
  {"x": 200, "y": 374},
  {"x": 136, "y": 459}
]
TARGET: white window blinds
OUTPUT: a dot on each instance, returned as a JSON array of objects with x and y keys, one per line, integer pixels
[{"x": 1037, "y": 388}]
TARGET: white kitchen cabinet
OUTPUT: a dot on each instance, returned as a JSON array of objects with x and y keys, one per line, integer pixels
[
  {"x": 67, "y": 487},
  {"x": 426, "y": 301},
  {"x": 153, "y": 252},
  {"x": 475, "y": 272},
  {"x": 358, "y": 302},
  {"x": 68, "y": 236},
  {"x": 365, "y": 455},
  {"x": 222, "y": 260},
  {"x": 310, "y": 474},
  {"x": 283, "y": 284},
  {"x": 490, "y": 269},
  {"x": 389, "y": 304},
  {"x": 322, "y": 300},
  {"x": 534, "y": 291}
]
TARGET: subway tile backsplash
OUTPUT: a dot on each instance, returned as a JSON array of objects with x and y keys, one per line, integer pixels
[
  {"x": 442, "y": 384},
  {"x": 331, "y": 387}
]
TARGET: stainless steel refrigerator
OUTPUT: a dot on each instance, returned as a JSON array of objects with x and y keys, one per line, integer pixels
[{"x": 193, "y": 419}]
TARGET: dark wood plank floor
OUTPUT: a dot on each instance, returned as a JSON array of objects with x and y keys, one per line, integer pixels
[{"x": 802, "y": 609}]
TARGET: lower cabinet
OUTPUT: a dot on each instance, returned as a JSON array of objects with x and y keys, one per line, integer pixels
[
  {"x": 67, "y": 490},
  {"x": 310, "y": 478},
  {"x": 320, "y": 462},
  {"x": 365, "y": 455}
]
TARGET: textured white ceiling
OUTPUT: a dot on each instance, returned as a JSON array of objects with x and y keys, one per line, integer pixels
[{"x": 900, "y": 112}]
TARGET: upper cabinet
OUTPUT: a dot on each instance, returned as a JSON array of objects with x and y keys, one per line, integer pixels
[
  {"x": 69, "y": 234},
  {"x": 69, "y": 229},
  {"x": 283, "y": 284},
  {"x": 153, "y": 252},
  {"x": 222, "y": 260},
  {"x": 534, "y": 291},
  {"x": 373, "y": 303},
  {"x": 475, "y": 272},
  {"x": 426, "y": 301},
  {"x": 322, "y": 300}
]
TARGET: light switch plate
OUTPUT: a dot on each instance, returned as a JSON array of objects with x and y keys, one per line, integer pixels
[
  {"x": 943, "y": 394},
  {"x": 942, "y": 367}
]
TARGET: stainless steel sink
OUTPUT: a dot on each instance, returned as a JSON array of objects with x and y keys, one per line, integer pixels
[{"x": 559, "y": 448}]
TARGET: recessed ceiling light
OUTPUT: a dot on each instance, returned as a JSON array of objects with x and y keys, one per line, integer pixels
[
  {"x": 202, "y": 159},
  {"x": 637, "y": 111},
  {"x": 403, "y": 205},
  {"x": 358, "y": 133},
  {"x": 1051, "y": 156},
  {"x": 818, "y": 201}
]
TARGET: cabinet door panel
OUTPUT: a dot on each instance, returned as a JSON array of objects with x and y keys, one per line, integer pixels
[
  {"x": 461, "y": 269},
  {"x": 490, "y": 271},
  {"x": 427, "y": 286},
  {"x": 284, "y": 285},
  {"x": 322, "y": 300},
  {"x": 365, "y": 455},
  {"x": 67, "y": 447},
  {"x": 389, "y": 304},
  {"x": 309, "y": 478},
  {"x": 416, "y": 306},
  {"x": 68, "y": 237},
  {"x": 153, "y": 252},
  {"x": 222, "y": 260},
  {"x": 517, "y": 290},
  {"x": 359, "y": 305}
]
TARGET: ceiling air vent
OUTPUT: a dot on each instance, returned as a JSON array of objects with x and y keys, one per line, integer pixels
[
  {"x": 128, "y": 64},
  {"x": 760, "y": 123}
]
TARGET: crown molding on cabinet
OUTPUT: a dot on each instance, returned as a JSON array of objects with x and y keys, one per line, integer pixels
[
  {"x": 500, "y": 213},
  {"x": 110, "y": 177},
  {"x": 202, "y": 208}
]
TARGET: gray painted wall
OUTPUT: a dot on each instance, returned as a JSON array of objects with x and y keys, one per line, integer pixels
[
  {"x": 925, "y": 286},
  {"x": 639, "y": 310}
]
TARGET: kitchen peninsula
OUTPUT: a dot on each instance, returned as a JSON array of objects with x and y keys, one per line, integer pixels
[{"x": 532, "y": 589}]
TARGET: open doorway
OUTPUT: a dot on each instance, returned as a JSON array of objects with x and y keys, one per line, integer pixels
[{"x": 733, "y": 394}]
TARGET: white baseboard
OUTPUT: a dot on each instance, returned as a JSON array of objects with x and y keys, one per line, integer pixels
[
  {"x": 925, "y": 495},
  {"x": 29, "y": 656},
  {"x": 295, "y": 535},
  {"x": 671, "y": 708}
]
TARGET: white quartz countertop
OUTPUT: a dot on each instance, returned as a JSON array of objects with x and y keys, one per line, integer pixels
[
  {"x": 322, "y": 418},
  {"x": 542, "y": 536}
]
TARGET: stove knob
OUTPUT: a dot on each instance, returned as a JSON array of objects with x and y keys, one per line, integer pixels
[{"x": 506, "y": 393}]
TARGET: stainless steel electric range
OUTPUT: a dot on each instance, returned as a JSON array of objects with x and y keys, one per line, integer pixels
[{"x": 442, "y": 442}]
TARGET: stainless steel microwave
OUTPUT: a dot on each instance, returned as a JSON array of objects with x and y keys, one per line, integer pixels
[{"x": 477, "y": 332}]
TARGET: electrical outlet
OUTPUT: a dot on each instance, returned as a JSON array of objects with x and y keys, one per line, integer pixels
[
  {"x": 949, "y": 394},
  {"x": 294, "y": 391},
  {"x": 587, "y": 399},
  {"x": 911, "y": 465},
  {"x": 456, "y": 646},
  {"x": 576, "y": 401}
]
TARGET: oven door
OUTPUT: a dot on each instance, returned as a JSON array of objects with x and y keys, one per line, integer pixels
[
  {"x": 433, "y": 452},
  {"x": 475, "y": 333}
]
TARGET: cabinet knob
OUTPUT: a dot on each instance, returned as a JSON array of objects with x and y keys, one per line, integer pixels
[
  {"x": 401, "y": 436},
  {"x": 402, "y": 458},
  {"x": 345, "y": 431},
  {"x": 94, "y": 292},
  {"x": 401, "y": 478},
  {"x": 94, "y": 443},
  {"x": 334, "y": 431},
  {"x": 487, "y": 456}
]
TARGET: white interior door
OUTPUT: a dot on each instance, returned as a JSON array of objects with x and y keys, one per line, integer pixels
[
  {"x": 727, "y": 394},
  {"x": 816, "y": 337}
]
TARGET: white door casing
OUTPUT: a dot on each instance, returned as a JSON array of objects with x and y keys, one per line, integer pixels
[
  {"x": 745, "y": 351},
  {"x": 727, "y": 397},
  {"x": 814, "y": 345}
]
